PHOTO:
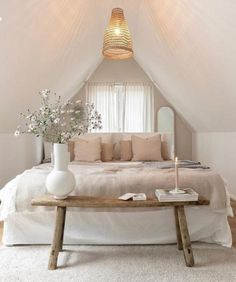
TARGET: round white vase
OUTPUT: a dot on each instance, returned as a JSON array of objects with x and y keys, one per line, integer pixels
[{"x": 60, "y": 181}]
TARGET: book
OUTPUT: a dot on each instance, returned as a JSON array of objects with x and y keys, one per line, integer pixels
[
  {"x": 133, "y": 196},
  {"x": 164, "y": 195},
  {"x": 139, "y": 197}
]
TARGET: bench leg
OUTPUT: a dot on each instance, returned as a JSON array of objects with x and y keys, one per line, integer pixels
[
  {"x": 178, "y": 234},
  {"x": 63, "y": 227},
  {"x": 187, "y": 248},
  {"x": 57, "y": 237}
]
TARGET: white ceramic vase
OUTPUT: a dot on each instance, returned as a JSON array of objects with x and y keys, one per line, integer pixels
[{"x": 60, "y": 181}]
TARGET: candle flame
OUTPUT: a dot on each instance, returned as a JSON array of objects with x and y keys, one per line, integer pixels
[{"x": 176, "y": 159}]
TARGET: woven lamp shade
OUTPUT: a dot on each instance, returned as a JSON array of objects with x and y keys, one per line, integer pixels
[{"x": 117, "y": 43}]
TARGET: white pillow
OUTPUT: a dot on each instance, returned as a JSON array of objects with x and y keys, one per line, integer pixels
[
  {"x": 87, "y": 150},
  {"x": 48, "y": 148},
  {"x": 146, "y": 149}
]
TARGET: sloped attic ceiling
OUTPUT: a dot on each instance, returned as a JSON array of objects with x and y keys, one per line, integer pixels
[{"x": 187, "y": 48}]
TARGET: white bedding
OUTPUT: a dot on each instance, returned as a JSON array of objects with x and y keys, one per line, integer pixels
[
  {"x": 111, "y": 179},
  {"x": 149, "y": 227},
  {"x": 114, "y": 179}
]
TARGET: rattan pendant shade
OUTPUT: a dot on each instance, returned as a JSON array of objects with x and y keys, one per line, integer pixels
[{"x": 117, "y": 43}]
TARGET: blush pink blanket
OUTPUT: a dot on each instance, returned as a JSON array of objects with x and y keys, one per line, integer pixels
[{"x": 112, "y": 179}]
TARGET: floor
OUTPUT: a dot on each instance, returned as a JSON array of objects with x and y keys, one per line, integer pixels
[
  {"x": 232, "y": 223},
  {"x": 139, "y": 263}
]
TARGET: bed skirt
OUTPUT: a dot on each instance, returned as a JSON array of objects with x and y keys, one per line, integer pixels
[{"x": 144, "y": 227}]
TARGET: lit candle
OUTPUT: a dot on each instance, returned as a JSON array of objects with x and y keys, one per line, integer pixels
[{"x": 176, "y": 174}]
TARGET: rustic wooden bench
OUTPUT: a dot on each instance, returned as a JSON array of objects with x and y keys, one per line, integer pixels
[{"x": 183, "y": 239}]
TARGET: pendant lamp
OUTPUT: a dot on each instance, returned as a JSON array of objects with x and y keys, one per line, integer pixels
[{"x": 117, "y": 43}]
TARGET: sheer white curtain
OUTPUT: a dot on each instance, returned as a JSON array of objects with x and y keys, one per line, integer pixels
[
  {"x": 127, "y": 107},
  {"x": 139, "y": 108},
  {"x": 105, "y": 100}
]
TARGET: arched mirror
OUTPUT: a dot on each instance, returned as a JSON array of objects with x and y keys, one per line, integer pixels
[{"x": 166, "y": 123}]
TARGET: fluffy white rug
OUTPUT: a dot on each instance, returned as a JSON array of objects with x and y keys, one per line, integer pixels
[{"x": 117, "y": 263}]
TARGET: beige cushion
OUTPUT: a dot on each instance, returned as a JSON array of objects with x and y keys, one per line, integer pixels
[
  {"x": 146, "y": 149},
  {"x": 105, "y": 137},
  {"x": 87, "y": 150},
  {"x": 127, "y": 136},
  {"x": 117, "y": 151},
  {"x": 164, "y": 151},
  {"x": 107, "y": 152},
  {"x": 125, "y": 150}
]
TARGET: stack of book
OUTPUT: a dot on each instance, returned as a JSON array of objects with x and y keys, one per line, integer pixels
[{"x": 164, "y": 195}]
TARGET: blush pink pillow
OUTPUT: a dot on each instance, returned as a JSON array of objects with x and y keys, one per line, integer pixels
[
  {"x": 164, "y": 151},
  {"x": 107, "y": 152},
  {"x": 146, "y": 149},
  {"x": 125, "y": 150},
  {"x": 87, "y": 150}
]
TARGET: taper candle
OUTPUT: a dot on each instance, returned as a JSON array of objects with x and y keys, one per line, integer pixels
[{"x": 176, "y": 173}]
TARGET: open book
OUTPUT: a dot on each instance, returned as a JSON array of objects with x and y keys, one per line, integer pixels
[
  {"x": 133, "y": 196},
  {"x": 164, "y": 195}
]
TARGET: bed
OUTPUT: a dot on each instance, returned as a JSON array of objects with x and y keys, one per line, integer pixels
[{"x": 25, "y": 224}]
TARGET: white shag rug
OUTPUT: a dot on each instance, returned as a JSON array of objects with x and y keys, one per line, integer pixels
[{"x": 117, "y": 263}]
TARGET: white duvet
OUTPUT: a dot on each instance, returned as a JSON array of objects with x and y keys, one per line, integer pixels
[{"x": 112, "y": 179}]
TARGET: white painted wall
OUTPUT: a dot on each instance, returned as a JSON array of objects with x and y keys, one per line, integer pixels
[
  {"x": 218, "y": 150},
  {"x": 18, "y": 154},
  {"x": 166, "y": 117}
]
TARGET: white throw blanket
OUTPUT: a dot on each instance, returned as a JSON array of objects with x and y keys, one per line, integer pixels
[{"x": 111, "y": 179}]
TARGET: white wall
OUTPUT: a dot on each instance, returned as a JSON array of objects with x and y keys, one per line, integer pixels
[
  {"x": 18, "y": 154},
  {"x": 130, "y": 71},
  {"x": 183, "y": 137},
  {"x": 218, "y": 150}
]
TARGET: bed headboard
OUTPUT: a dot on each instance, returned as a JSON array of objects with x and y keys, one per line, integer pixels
[{"x": 117, "y": 136}]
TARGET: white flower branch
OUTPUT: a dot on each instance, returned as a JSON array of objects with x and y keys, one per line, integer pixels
[{"x": 57, "y": 122}]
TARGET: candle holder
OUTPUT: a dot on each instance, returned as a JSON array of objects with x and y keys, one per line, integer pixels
[{"x": 176, "y": 190}]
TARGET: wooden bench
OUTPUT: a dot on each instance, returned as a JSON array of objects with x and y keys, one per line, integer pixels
[{"x": 183, "y": 240}]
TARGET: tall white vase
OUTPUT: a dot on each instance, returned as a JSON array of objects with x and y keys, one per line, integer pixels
[{"x": 60, "y": 181}]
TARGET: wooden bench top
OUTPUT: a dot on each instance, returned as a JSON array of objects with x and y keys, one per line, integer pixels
[{"x": 109, "y": 202}]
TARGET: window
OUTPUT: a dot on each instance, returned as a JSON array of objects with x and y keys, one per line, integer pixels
[{"x": 125, "y": 107}]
